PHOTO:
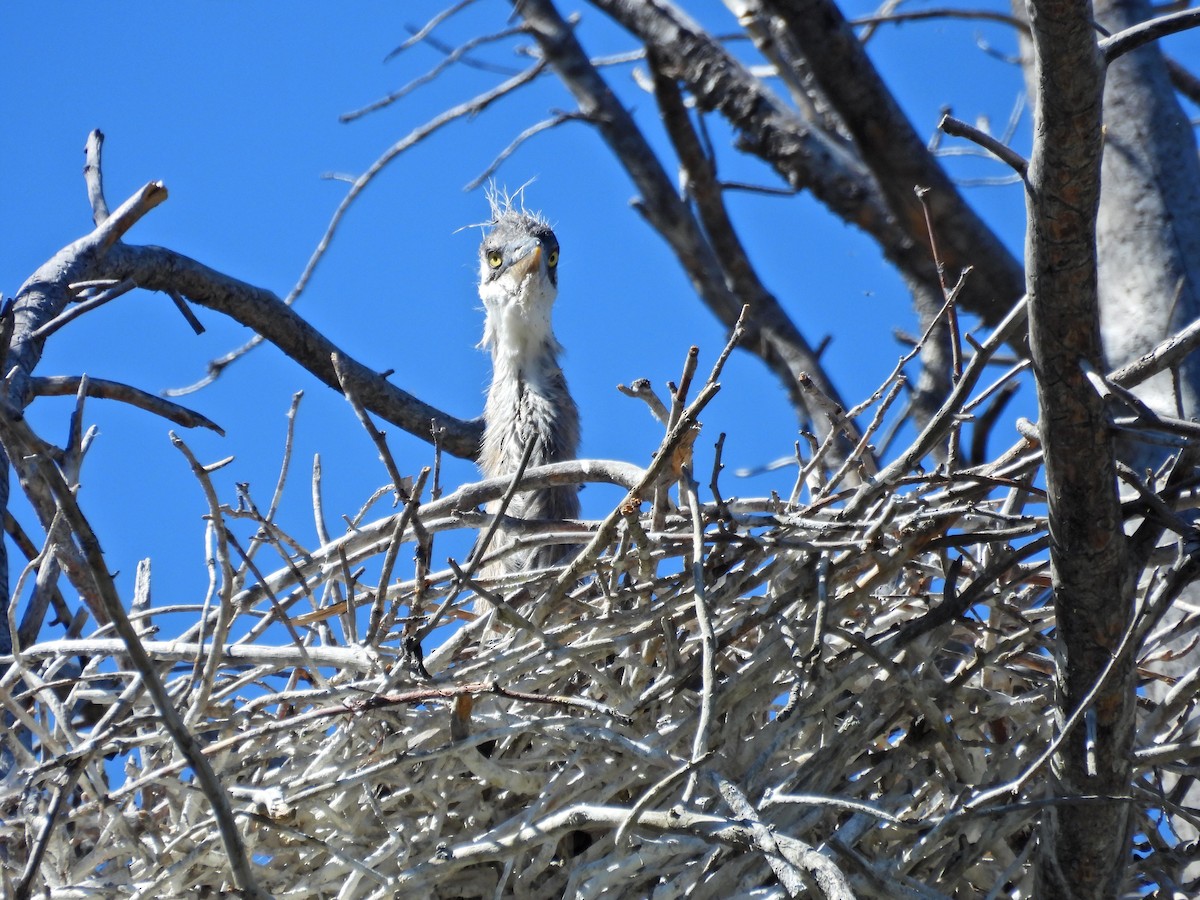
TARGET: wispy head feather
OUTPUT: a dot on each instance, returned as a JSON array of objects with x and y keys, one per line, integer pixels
[{"x": 510, "y": 206}]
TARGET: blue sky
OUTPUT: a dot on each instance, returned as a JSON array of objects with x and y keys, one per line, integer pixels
[{"x": 235, "y": 107}]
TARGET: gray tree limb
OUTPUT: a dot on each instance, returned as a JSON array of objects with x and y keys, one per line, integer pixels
[
  {"x": 900, "y": 162},
  {"x": 1148, "y": 227},
  {"x": 770, "y": 332},
  {"x": 43, "y": 296},
  {"x": 779, "y": 343},
  {"x": 158, "y": 269},
  {"x": 68, "y": 386},
  {"x": 1148, "y": 237},
  {"x": 1085, "y": 849},
  {"x": 852, "y": 188}
]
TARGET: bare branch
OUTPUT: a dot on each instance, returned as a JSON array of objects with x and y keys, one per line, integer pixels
[
  {"x": 346, "y": 383},
  {"x": 702, "y": 186},
  {"x": 185, "y": 311},
  {"x": 998, "y": 149},
  {"x": 899, "y": 160},
  {"x": 469, "y": 108},
  {"x": 1139, "y": 35},
  {"x": 527, "y": 134},
  {"x": 155, "y": 268},
  {"x": 74, "y": 312},
  {"x": 17, "y": 436},
  {"x": 450, "y": 59},
  {"x": 68, "y": 385},
  {"x": 46, "y": 293},
  {"x": 771, "y": 333},
  {"x": 93, "y": 176},
  {"x": 1085, "y": 848},
  {"x": 641, "y": 389},
  {"x": 937, "y": 426},
  {"x": 894, "y": 17},
  {"x": 1165, "y": 355},
  {"x": 806, "y": 157},
  {"x": 425, "y": 30}
]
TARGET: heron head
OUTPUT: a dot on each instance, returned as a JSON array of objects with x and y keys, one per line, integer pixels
[
  {"x": 518, "y": 256},
  {"x": 518, "y": 275}
]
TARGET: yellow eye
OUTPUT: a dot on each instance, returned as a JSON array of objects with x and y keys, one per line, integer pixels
[
  {"x": 552, "y": 259},
  {"x": 494, "y": 258}
]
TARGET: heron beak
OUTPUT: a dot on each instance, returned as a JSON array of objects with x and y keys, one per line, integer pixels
[{"x": 526, "y": 259}]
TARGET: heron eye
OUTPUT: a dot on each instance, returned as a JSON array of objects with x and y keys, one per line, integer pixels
[
  {"x": 494, "y": 258},
  {"x": 552, "y": 259}
]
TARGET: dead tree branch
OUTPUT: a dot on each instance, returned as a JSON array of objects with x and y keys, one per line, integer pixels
[
  {"x": 1085, "y": 849},
  {"x": 771, "y": 334},
  {"x": 156, "y": 269}
]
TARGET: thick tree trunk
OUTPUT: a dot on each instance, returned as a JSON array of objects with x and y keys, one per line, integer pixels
[
  {"x": 1148, "y": 228},
  {"x": 1085, "y": 843},
  {"x": 1148, "y": 238}
]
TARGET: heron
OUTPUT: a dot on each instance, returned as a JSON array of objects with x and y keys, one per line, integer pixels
[{"x": 528, "y": 399}]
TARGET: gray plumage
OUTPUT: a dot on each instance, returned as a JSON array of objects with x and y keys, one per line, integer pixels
[{"x": 528, "y": 396}]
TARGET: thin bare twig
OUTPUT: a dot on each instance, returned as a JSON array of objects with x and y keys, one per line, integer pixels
[
  {"x": 93, "y": 175},
  {"x": 450, "y": 59},
  {"x": 17, "y": 435},
  {"x": 998, "y": 149},
  {"x": 67, "y": 385}
]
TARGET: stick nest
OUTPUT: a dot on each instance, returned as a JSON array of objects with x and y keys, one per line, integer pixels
[{"x": 846, "y": 693}]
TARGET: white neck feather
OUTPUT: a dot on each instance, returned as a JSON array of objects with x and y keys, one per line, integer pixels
[{"x": 517, "y": 330}]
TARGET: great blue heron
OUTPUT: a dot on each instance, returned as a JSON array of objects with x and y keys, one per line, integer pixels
[{"x": 528, "y": 397}]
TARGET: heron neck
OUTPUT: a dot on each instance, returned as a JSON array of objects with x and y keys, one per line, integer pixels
[{"x": 521, "y": 344}]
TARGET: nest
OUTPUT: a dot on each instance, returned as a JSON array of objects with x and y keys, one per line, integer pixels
[{"x": 847, "y": 692}]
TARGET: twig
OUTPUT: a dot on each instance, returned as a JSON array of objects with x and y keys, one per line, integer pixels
[
  {"x": 532, "y": 131},
  {"x": 1165, "y": 355},
  {"x": 425, "y": 30},
  {"x": 74, "y": 312},
  {"x": 708, "y": 638},
  {"x": 226, "y": 587},
  {"x": 998, "y": 149},
  {"x": 280, "y": 614},
  {"x": 862, "y": 448},
  {"x": 946, "y": 416},
  {"x": 377, "y": 436},
  {"x": 899, "y": 18},
  {"x": 154, "y": 268},
  {"x": 718, "y": 466},
  {"x": 949, "y": 296},
  {"x": 450, "y": 59},
  {"x": 374, "y": 633},
  {"x": 655, "y": 792},
  {"x": 641, "y": 389},
  {"x": 269, "y": 529},
  {"x": 470, "y": 108},
  {"x": 657, "y": 468},
  {"x": 184, "y": 310},
  {"x": 17, "y": 434},
  {"x": 1143, "y": 33},
  {"x": 67, "y": 385},
  {"x": 480, "y": 549},
  {"x": 93, "y": 175}
]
